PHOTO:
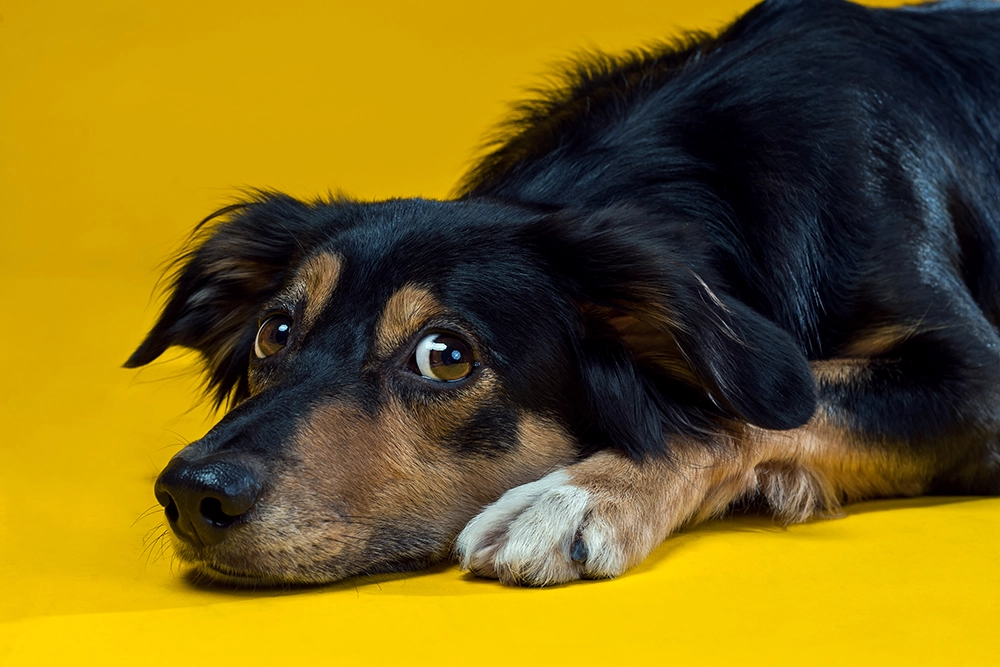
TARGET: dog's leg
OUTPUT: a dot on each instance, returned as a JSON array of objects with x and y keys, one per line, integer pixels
[
  {"x": 605, "y": 514},
  {"x": 599, "y": 517}
]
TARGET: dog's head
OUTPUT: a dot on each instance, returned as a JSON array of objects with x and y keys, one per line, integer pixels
[{"x": 396, "y": 366}]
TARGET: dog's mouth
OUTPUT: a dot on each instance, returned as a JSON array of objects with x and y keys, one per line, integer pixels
[
  {"x": 229, "y": 573},
  {"x": 246, "y": 569},
  {"x": 209, "y": 574},
  {"x": 206, "y": 569}
]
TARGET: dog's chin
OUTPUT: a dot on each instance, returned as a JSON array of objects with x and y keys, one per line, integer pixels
[
  {"x": 205, "y": 573},
  {"x": 211, "y": 573},
  {"x": 206, "y": 570}
]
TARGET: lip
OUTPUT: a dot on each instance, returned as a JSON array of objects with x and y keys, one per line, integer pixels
[{"x": 225, "y": 574}]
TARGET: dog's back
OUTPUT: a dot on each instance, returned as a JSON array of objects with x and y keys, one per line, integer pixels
[{"x": 804, "y": 115}]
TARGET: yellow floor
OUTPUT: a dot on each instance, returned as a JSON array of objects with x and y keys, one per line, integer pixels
[{"x": 122, "y": 124}]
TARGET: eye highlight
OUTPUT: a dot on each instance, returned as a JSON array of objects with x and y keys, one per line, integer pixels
[
  {"x": 272, "y": 336},
  {"x": 444, "y": 357}
]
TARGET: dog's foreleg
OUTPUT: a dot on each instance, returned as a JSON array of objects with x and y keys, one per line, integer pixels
[{"x": 598, "y": 517}]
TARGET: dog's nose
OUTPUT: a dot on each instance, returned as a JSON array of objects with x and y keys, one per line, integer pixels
[{"x": 202, "y": 499}]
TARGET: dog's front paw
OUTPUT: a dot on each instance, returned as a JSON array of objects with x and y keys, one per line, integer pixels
[{"x": 546, "y": 532}]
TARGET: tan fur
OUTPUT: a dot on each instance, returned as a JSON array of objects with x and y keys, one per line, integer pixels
[
  {"x": 313, "y": 285},
  {"x": 652, "y": 345},
  {"x": 631, "y": 507},
  {"x": 318, "y": 278},
  {"x": 800, "y": 473},
  {"x": 440, "y": 418},
  {"x": 883, "y": 339},
  {"x": 405, "y": 313},
  {"x": 841, "y": 371},
  {"x": 355, "y": 485},
  {"x": 812, "y": 470}
]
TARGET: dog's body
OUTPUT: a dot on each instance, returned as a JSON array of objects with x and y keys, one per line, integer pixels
[{"x": 763, "y": 266}]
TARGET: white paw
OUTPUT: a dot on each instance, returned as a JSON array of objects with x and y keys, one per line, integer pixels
[{"x": 542, "y": 533}]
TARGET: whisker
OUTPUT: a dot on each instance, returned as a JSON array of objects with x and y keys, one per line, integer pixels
[
  {"x": 164, "y": 545},
  {"x": 151, "y": 534},
  {"x": 146, "y": 537},
  {"x": 151, "y": 546},
  {"x": 153, "y": 509},
  {"x": 148, "y": 552}
]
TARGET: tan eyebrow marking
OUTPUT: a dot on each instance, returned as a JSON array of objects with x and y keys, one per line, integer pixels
[
  {"x": 319, "y": 277},
  {"x": 405, "y": 313}
]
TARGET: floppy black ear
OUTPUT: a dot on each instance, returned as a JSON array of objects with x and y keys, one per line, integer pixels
[
  {"x": 239, "y": 258},
  {"x": 690, "y": 353},
  {"x": 749, "y": 365}
]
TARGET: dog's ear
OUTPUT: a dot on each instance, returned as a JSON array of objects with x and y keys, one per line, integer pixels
[
  {"x": 664, "y": 351},
  {"x": 238, "y": 258}
]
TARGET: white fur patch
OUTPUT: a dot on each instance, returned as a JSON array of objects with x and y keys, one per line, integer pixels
[{"x": 528, "y": 535}]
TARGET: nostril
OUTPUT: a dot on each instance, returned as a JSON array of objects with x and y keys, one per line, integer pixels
[
  {"x": 170, "y": 509},
  {"x": 211, "y": 509}
]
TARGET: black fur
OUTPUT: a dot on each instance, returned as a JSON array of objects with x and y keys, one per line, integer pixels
[{"x": 754, "y": 201}]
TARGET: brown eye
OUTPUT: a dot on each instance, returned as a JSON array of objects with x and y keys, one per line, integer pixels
[
  {"x": 444, "y": 357},
  {"x": 272, "y": 336}
]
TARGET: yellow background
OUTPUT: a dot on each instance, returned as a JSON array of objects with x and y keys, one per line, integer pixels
[{"x": 121, "y": 125}]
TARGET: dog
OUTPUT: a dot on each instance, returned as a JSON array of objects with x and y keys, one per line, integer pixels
[{"x": 758, "y": 267}]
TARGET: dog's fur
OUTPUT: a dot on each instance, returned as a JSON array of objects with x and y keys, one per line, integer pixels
[{"x": 761, "y": 266}]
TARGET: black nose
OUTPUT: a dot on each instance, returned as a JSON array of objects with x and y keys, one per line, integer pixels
[{"x": 202, "y": 499}]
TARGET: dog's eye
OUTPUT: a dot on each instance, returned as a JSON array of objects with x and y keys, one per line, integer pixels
[
  {"x": 272, "y": 336},
  {"x": 444, "y": 357}
]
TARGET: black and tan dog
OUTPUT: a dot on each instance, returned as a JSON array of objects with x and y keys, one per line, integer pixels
[{"x": 759, "y": 266}]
